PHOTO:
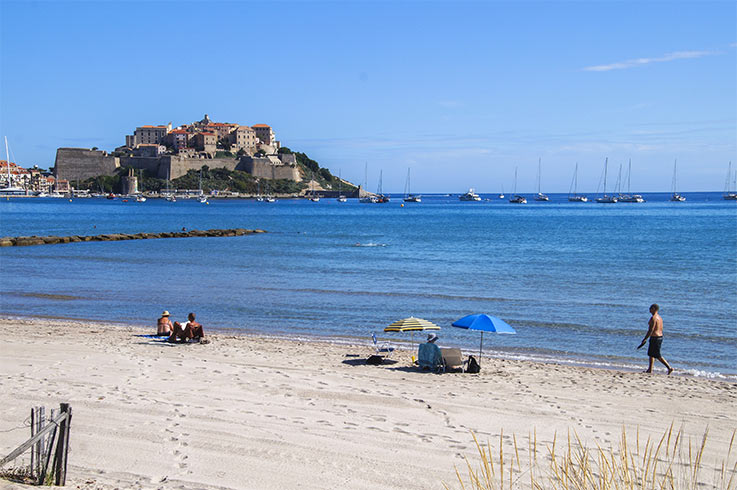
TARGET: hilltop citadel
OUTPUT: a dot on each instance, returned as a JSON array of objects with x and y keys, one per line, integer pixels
[{"x": 168, "y": 153}]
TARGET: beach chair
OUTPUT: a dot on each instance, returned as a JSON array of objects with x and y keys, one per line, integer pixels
[
  {"x": 383, "y": 349},
  {"x": 429, "y": 357},
  {"x": 452, "y": 359}
]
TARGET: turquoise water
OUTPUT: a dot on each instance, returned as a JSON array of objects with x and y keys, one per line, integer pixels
[{"x": 574, "y": 279}]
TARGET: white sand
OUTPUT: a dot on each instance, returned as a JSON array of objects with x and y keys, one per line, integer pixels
[{"x": 248, "y": 412}]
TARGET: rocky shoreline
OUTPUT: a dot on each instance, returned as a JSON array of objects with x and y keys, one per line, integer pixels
[{"x": 22, "y": 241}]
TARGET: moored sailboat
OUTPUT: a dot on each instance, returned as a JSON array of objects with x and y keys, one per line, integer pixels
[
  {"x": 629, "y": 197},
  {"x": 10, "y": 189},
  {"x": 516, "y": 198},
  {"x": 605, "y": 198},
  {"x": 540, "y": 196},
  {"x": 408, "y": 196},
  {"x": 676, "y": 197},
  {"x": 729, "y": 194},
  {"x": 575, "y": 197}
]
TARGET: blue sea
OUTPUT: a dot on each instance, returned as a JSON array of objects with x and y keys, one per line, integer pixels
[{"x": 574, "y": 279}]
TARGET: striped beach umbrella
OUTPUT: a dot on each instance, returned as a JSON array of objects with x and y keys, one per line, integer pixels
[{"x": 411, "y": 324}]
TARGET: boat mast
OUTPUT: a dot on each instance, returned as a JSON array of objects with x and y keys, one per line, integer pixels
[
  {"x": 606, "y": 163},
  {"x": 515, "y": 181},
  {"x": 7, "y": 162},
  {"x": 539, "y": 169},
  {"x": 675, "y": 162},
  {"x": 629, "y": 175}
]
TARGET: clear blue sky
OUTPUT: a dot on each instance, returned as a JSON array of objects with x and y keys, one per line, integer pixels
[{"x": 460, "y": 92}]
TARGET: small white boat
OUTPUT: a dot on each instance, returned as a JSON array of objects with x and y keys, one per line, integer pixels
[
  {"x": 270, "y": 199},
  {"x": 368, "y": 200},
  {"x": 342, "y": 198},
  {"x": 140, "y": 198},
  {"x": 469, "y": 196},
  {"x": 315, "y": 199},
  {"x": 203, "y": 199}
]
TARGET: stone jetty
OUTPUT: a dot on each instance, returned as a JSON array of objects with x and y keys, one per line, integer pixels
[{"x": 21, "y": 241}]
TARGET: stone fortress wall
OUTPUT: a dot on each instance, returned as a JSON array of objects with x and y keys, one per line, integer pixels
[{"x": 82, "y": 163}]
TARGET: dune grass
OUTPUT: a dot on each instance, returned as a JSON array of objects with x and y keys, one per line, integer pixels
[{"x": 670, "y": 462}]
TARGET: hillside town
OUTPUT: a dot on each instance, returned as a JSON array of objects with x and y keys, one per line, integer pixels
[
  {"x": 202, "y": 139},
  {"x": 166, "y": 153}
]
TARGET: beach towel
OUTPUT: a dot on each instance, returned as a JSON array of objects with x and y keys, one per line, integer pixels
[{"x": 428, "y": 356}]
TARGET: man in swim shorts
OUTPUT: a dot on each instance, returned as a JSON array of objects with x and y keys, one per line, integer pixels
[
  {"x": 191, "y": 330},
  {"x": 655, "y": 333}
]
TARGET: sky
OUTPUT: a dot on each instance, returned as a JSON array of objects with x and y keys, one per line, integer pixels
[{"x": 461, "y": 93}]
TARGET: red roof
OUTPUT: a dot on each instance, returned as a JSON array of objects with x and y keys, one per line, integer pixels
[
  {"x": 261, "y": 126},
  {"x": 179, "y": 131},
  {"x": 153, "y": 126}
]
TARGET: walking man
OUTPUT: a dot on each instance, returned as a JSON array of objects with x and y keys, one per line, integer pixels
[{"x": 655, "y": 333}]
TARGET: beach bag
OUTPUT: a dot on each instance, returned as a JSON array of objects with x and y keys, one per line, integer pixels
[{"x": 473, "y": 366}]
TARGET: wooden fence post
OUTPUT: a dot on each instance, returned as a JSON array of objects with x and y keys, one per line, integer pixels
[{"x": 62, "y": 446}]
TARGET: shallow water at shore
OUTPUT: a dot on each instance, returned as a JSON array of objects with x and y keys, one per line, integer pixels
[{"x": 575, "y": 280}]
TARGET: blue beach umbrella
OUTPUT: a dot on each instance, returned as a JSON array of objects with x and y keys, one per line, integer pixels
[{"x": 483, "y": 323}]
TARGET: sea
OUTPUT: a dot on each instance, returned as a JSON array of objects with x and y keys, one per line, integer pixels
[{"x": 575, "y": 280}]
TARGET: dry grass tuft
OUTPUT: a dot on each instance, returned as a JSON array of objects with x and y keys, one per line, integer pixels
[{"x": 668, "y": 463}]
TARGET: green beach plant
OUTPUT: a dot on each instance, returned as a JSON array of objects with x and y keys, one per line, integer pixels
[{"x": 670, "y": 462}]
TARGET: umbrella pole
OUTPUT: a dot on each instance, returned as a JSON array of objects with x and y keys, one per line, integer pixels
[{"x": 481, "y": 347}]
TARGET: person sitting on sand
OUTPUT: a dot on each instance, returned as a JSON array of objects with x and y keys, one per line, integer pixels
[
  {"x": 163, "y": 325},
  {"x": 655, "y": 332},
  {"x": 191, "y": 330},
  {"x": 428, "y": 354}
]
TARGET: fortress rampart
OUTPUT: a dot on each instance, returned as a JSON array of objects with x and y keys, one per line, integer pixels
[{"x": 82, "y": 163}]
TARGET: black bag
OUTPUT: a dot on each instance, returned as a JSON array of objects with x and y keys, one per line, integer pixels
[
  {"x": 473, "y": 366},
  {"x": 374, "y": 360}
]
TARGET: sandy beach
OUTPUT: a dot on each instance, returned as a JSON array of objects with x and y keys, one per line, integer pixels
[{"x": 254, "y": 412}]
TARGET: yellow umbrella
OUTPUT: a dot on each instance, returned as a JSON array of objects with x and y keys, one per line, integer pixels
[{"x": 411, "y": 324}]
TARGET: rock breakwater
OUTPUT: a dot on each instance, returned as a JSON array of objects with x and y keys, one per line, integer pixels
[{"x": 22, "y": 241}]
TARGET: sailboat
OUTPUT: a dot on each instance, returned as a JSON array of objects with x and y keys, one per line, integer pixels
[
  {"x": 269, "y": 197},
  {"x": 313, "y": 197},
  {"x": 408, "y": 196},
  {"x": 368, "y": 199},
  {"x": 501, "y": 195},
  {"x": 258, "y": 191},
  {"x": 9, "y": 189},
  {"x": 574, "y": 184},
  {"x": 729, "y": 194},
  {"x": 516, "y": 198},
  {"x": 605, "y": 198},
  {"x": 341, "y": 197},
  {"x": 202, "y": 198},
  {"x": 169, "y": 196},
  {"x": 629, "y": 197},
  {"x": 380, "y": 197},
  {"x": 676, "y": 197},
  {"x": 540, "y": 196}
]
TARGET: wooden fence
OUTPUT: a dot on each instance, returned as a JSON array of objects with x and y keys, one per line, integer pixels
[{"x": 44, "y": 432}]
